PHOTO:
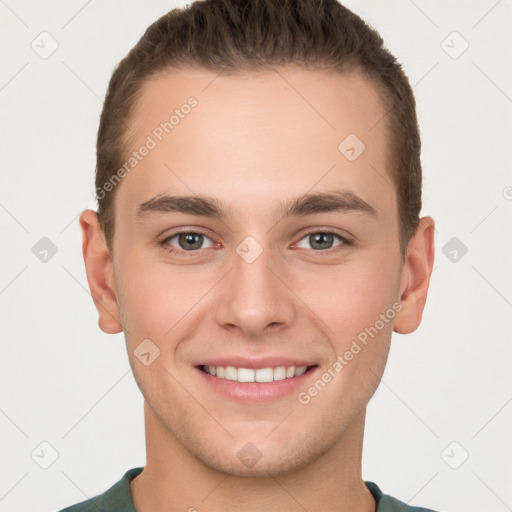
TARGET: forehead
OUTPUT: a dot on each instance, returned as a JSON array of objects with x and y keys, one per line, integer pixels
[{"x": 260, "y": 134}]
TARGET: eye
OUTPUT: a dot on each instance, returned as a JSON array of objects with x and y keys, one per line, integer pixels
[
  {"x": 321, "y": 241},
  {"x": 187, "y": 241}
]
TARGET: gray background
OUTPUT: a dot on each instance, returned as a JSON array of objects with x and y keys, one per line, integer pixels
[{"x": 446, "y": 393}]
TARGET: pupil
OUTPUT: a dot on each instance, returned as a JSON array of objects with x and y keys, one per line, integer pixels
[
  {"x": 194, "y": 241},
  {"x": 321, "y": 240}
]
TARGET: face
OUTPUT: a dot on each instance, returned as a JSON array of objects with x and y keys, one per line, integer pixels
[{"x": 250, "y": 244}]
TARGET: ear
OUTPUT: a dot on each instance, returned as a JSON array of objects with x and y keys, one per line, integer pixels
[
  {"x": 100, "y": 273},
  {"x": 416, "y": 271}
]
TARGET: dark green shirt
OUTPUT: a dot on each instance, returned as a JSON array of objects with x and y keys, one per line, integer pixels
[{"x": 119, "y": 499}]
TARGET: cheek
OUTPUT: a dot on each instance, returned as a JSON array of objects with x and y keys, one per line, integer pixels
[
  {"x": 349, "y": 298},
  {"x": 358, "y": 305},
  {"x": 155, "y": 297}
]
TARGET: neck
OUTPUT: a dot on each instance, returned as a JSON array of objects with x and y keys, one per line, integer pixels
[{"x": 173, "y": 479}]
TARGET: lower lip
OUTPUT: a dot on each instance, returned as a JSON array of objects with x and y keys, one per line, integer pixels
[{"x": 260, "y": 392}]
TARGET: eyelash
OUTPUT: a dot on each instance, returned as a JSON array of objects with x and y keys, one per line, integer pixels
[{"x": 173, "y": 250}]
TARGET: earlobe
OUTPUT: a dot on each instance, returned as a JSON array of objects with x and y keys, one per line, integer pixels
[
  {"x": 98, "y": 266},
  {"x": 416, "y": 272}
]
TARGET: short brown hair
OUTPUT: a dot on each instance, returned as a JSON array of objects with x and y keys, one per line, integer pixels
[{"x": 231, "y": 36}]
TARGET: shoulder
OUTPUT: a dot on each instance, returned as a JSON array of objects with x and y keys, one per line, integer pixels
[
  {"x": 386, "y": 503},
  {"x": 117, "y": 498}
]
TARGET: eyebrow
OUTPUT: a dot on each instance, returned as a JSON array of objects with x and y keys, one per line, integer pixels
[{"x": 337, "y": 201}]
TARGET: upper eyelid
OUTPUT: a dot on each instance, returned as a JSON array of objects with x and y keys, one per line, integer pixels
[
  {"x": 178, "y": 233},
  {"x": 186, "y": 231},
  {"x": 345, "y": 240}
]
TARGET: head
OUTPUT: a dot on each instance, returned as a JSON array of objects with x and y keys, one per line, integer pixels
[{"x": 282, "y": 136}]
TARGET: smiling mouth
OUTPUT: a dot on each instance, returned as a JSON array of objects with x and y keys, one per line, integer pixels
[{"x": 269, "y": 374}]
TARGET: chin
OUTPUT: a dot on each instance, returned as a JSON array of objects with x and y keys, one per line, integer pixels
[{"x": 261, "y": 460}]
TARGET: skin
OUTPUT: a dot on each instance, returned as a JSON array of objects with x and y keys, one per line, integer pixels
[{"x": 254, "y": 141}]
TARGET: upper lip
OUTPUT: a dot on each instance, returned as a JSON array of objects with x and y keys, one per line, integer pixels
[{"x": 255, "y": 363}]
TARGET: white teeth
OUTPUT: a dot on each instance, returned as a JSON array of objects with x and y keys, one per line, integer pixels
[
  {"x": 300, "y": 370},
  {"x": 245, "y": 375},
  {"x": 231, "y": 373},
  {"x": 280, "y": 373},
  {"x": 264, "y": 375},
  {"x": 259, "y": 375}
]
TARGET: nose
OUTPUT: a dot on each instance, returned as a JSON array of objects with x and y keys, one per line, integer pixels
[{"x": 254, "y": 298}]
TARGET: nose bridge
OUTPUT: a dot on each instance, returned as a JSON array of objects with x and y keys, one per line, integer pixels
[{"x": 253, "y": 297}]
